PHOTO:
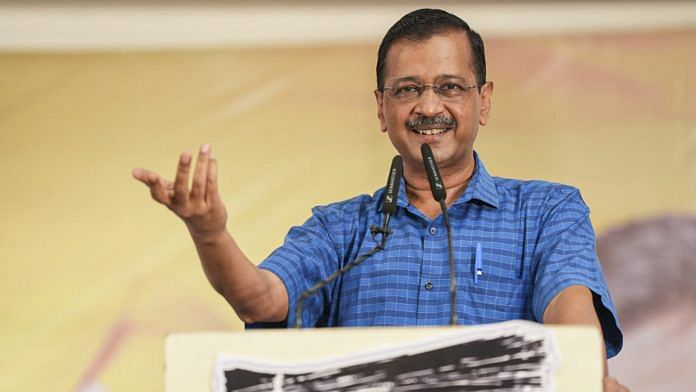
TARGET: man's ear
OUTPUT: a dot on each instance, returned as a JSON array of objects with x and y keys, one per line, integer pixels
[
  {"x": 379, "y": 97},
  {"x": 486, "y": 93}
]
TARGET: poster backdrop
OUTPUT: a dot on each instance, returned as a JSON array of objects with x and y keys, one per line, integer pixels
[{"x": 93, "y": 274}]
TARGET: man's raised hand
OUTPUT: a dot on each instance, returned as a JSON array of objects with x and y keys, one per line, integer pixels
[{"x": 200, "y": 206}]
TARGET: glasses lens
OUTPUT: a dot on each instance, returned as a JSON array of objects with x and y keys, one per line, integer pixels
[
  {"x": 405, "y": 91},
  {"x": 452, "y": 90},
  {"x": 410, "y": 90}
]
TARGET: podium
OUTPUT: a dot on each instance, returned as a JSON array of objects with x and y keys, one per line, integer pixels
[{"x": 190, "y": 358}]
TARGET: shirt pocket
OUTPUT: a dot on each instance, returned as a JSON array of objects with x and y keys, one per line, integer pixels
[{"x": 498, "y": 293}]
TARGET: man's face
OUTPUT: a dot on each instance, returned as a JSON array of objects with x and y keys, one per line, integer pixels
[{"x": 444, "y": 59}]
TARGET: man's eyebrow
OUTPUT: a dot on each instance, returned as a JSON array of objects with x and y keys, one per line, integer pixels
[
  {"x": 417, "y": 79},
  {"x": 450, "y": 76},
  {"x": 406, "y": 79}
]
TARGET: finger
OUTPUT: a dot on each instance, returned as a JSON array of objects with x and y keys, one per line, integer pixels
[
  {"x": 156, "y": 185},
  {"x": 211, "y": 188},
  {"x": 611, "y": 384},
  {"x": 146, "y": 177},
  {"x": 168, "y": 185},
  {"x": 159, "y": 193},
  {"x": 199, "y": 175},
  {"x": 181, "y": 180},
  {"x": 141, "y": 175}
]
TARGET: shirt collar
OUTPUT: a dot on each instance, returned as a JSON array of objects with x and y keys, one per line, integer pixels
[{"x": 481, "y": 187}]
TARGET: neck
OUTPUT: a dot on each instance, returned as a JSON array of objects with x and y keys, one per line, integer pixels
[{"x": 418, "y": 190}]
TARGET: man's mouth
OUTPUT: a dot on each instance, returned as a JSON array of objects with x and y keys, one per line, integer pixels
[
  {"x": 429, "y": 126},
  {"x": 431, "y": 131}
]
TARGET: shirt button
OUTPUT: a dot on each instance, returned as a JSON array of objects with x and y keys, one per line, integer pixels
[
  {"x": 433, "y": 230},
  {"x": 428, "y": 285}
]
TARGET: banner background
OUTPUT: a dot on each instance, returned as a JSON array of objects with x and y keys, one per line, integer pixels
[{"x": 93, "y": 274}]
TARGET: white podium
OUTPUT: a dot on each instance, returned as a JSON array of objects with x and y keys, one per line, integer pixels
[{"x": 190, "y": 357}]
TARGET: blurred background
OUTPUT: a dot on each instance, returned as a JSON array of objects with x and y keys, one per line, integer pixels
[{"x": 94, "y": 274}]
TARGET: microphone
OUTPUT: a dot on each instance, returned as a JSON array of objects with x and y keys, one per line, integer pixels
[
  {"x": 440, "y": 194},
  {"x": 391, "y": 192},
  {"x": 436, "y": 185}
]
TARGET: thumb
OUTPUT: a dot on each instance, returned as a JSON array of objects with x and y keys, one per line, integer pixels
[{"x": 145, "y": 176}]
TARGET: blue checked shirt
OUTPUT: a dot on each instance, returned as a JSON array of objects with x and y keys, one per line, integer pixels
[{"x": 536, "y": 239}]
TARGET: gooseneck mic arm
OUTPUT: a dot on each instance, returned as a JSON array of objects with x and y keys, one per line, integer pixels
[
  {"x": 440, "y": 195},
  {"x": 391, "y": 192}
]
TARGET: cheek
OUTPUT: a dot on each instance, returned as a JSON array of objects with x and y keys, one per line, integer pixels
[
  {"x": 466, "y": 117},
  {"x": 396, "y": 116}
]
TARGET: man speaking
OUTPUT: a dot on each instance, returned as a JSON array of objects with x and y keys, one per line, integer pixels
[{"x": 522, "y": 249}]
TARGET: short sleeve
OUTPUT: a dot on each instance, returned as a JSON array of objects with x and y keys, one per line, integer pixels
[
  {"x": 306, "y": 256},
  {"x": 565, "y": 255}
]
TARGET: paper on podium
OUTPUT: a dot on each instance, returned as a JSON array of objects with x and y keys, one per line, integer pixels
[{"x": 384, "y": 359}]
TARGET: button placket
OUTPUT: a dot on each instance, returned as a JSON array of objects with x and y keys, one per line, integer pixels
[{"x": 431, "y": 237}]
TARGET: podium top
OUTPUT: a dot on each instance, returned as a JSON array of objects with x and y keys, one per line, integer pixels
[{"x": 190, "y": 357}]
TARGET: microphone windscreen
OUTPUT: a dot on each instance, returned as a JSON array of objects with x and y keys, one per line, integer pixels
[
  {"x": 391, "y": 191},
  {"x": 436, "y": 185}
]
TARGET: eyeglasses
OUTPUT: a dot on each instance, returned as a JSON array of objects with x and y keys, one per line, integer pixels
[{"x": 407, "y": 91}]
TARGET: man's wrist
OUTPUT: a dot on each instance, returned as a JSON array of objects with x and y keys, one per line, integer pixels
[{"x": 206, "y": 237}]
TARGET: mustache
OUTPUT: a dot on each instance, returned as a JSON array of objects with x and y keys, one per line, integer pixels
[{"x": 424, "y": 121}]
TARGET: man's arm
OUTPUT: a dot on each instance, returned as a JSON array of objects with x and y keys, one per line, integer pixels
[
  {"x": 573, "y": 305},
  {"x": 254, "y": 294}
]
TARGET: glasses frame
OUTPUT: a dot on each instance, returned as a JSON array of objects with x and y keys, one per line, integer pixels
[{"x": 420, "y": 88}]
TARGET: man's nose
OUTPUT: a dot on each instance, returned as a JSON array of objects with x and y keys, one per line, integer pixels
[{"x": 429, "y": 103}]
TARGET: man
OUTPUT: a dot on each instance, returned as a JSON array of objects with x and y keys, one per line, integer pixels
[{"x": 536, "y": 240}]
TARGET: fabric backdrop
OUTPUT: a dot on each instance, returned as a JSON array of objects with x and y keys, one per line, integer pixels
[{"x": 93, "y": 274}]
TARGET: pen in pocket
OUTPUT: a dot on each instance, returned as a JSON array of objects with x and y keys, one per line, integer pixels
[{"x": 478, "y": 263}]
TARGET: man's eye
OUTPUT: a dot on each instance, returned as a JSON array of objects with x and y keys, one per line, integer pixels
[
  {"x": 450, "y": 87},
  {"x": 410, "y": 89}
]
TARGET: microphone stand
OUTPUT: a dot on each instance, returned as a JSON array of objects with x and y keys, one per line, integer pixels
[{"x": 453, "y": 279}]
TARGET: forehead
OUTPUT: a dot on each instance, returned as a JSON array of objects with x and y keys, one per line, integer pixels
[{"x": 447, "y": 53}]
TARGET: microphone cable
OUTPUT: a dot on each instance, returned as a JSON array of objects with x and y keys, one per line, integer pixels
[
  {"x": 440, "y": 195},
  {"x": 391, "y": 193}
]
